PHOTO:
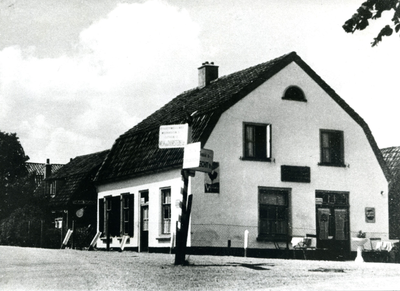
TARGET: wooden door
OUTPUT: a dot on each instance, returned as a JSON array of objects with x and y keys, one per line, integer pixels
[{"x": 332, "y": 216}]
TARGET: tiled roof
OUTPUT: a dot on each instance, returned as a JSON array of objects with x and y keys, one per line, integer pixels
[
  {"x": 391, "y": 156},
  {"x": 38, "y": 168},
  {"x": 77, "y": 179},
  {"x": 136, "y": 152}
]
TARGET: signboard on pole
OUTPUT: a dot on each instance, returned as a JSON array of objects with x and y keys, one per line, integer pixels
[
  {"x": 211, "y": 180},
  {"x": 197, "y": 159},
  {"x": 173, "y": 136}
]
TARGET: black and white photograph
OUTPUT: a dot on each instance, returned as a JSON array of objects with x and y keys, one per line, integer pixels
[{"x": 199, "y": 145}]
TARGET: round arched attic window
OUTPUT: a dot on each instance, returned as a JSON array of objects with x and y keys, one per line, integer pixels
[{"x": 294, "y": 93}]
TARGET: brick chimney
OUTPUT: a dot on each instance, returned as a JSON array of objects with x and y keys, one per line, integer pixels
[
  {"x": 47, "y": 170},
  {"x": 207, "y": 72}
]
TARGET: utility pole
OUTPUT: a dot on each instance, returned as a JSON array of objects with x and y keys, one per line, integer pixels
[
  {"x": 180, "y": 136},
  {"x": 182, "y": 233}
]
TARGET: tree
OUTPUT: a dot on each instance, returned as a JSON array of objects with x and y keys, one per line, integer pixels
[
  {"x": 15, "y": 186},
  {"x": 371, "y": 10}
]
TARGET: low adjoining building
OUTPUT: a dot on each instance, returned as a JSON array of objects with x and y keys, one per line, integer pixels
[{"x": 72, "y": 197}]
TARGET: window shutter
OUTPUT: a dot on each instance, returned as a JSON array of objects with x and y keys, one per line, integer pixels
[
  {"x": 101, "y": 215},
  {"x": 131, "y": 214}
]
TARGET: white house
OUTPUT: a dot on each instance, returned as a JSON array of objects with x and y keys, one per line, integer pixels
[{"x": 291, "y": 159}]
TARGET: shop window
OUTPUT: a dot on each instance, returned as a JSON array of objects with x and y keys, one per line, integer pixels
[{"x": 273, "y": 213}]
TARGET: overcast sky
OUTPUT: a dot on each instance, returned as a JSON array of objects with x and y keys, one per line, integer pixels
[{"x": 76, "y": 74}]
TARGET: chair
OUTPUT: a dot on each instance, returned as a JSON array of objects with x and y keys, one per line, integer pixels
[
  {"x": 376, "y": 240},
  {"x": 304, "y": 243}
]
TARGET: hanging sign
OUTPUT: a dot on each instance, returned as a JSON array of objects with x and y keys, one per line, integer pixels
[
  {"x": 211, "y": 180},
  {"x": 197, "y": 159},
  {"x": 173, "y": 136}
]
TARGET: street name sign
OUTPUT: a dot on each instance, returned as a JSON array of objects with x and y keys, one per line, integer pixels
[
  {"x": 197, "y": 159},
  {"x": 173, "y": 136}
]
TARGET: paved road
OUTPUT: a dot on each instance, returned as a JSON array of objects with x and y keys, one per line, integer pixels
[{"x": 41, "y": 269}]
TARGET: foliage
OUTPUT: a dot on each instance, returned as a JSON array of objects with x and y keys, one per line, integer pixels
[
  {"x": 371, "y": 10},
  {"x": 361, "y": 234},
  {"x": 22, "y": 227},
  {"x": 15, "y": 184}
]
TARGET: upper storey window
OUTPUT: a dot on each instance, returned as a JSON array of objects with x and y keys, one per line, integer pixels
[
  {"x": 332, "y": 148},
  {"x": 294, "y": 93},
  {"x": 257, "y": 141}
]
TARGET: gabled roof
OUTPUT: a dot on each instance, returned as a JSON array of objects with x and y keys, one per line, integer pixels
[
  {"x": 391, "y": 156},
  {"x": 38, "y": 168},
  {"x": 136, "y": 152},
  {"x": 77, "y": 178}
]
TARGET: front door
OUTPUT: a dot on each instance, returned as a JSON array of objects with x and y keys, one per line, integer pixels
[
  {"x": 332, "y": 216},
  {"x": 144, "y": 221}
]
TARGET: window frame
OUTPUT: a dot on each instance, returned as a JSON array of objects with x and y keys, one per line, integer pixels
[
  {"x": 277, "y": 209},
  {"x": 165, "y": 205},
  {"x": 144, "y": 204},
  {"x": 333, "y": 163},
  {"x": 257, "y": 144},
  {"x": 53, "y": 188}
]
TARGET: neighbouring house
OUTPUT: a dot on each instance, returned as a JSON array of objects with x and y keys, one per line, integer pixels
[
  {"x": 42, "y": 170},
  {"x": 72, "y": 197},
  {"x": 392, "y": 157},
  {"x": 291, "y": 159}
]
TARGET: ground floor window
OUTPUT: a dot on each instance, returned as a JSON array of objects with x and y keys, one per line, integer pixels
[
  {"x": 116, "y": 215},
  {"x": 166, "y": 211},
  {"x": 273, "y": 206}
]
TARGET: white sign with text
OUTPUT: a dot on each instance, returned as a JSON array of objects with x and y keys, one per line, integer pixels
[
  {"x": 197, "y": 159},
  {"x": 173, "y": 136}
]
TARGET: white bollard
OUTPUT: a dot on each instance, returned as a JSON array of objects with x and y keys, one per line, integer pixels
[
  {"x": 359, "y": 258},
  {"x": 246, "y": 241}
]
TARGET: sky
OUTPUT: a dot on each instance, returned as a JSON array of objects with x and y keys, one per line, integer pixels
[{"x": 76, "y": 74}]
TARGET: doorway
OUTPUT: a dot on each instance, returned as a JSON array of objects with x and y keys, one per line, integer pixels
[
  {"x": 332, "y": 217},
  {"x": 144, "y": 221}
]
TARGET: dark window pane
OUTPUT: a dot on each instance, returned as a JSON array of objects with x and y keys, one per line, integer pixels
[
  {"x": 273, "y": 209},
  {"x": 261, "y": 142},
  {"x": 332, "y": 147},
  {"x": 294, "y": 93},
  {"x": 257, "y": 141}
]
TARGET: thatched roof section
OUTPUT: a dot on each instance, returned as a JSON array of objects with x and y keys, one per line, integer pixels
[{"x": 136, "y": 152}]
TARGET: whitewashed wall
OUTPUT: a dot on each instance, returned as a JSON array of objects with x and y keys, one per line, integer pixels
[
  {"x": 217, "y": 218},
  {"x": 154, "y": 184}
]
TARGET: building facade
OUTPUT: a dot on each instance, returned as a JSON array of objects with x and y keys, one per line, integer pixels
[{"x": 291, "y": 159}]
